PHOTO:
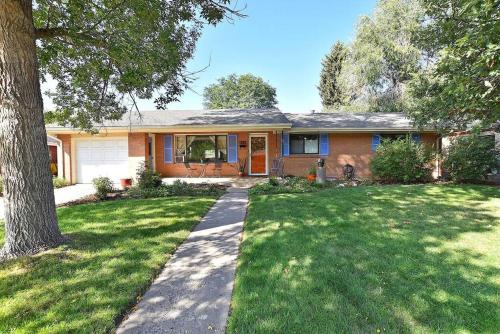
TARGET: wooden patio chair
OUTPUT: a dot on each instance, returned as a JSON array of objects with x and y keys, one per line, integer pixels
[
  {"x": 277, "y": 167},
  {"x": 218, "y": 168},
  {"x": 189, "y": 169}
]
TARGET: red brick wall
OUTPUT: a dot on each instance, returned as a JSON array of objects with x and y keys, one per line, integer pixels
[
  {"x": 138, "y": 145},
  {"x": 353, "y": 149}
]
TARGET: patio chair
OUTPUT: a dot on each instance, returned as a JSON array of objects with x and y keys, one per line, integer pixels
[
  {"x": 189, "y": 169},
  {"x": 277, "y": 167},
  {"x": 218, "y": 168}
]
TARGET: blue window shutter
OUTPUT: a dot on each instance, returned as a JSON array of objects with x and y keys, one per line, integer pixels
[
  {"x": 324, "y": 148},
  {"x": 375, "y": 141},
  {"x": 416, "y": 137},
  {"x": 285, "y": 144},
  {"x": 168, "y": 149},
  {"x": 232, "y": 148}
]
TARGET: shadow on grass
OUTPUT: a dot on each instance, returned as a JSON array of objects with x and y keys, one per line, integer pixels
[
  {"x": 391, "y": 259},
  {"x": 116, "y": 249}
]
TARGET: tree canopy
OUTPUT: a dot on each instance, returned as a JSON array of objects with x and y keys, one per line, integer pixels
[
  {"x": 461, "y": 85},
  {"x": 240, "y": 91},
  {"x": 330, "y": 90},
  {"x": 106, "y": 54},
  {"x": 382, "y": 58}
]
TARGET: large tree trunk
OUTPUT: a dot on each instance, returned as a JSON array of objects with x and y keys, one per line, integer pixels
[{"x": 30, "y": 215}]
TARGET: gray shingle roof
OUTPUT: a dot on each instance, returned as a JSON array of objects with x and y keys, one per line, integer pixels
[
  {"x": 259, "y": 117},
  {"x": 169, "y": 118},
  {"x": 345, "y": 120}
]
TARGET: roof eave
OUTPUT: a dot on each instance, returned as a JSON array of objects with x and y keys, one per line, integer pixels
[
  {"x": 174, "y": 128},
  {"x": 359, "y": 130}
]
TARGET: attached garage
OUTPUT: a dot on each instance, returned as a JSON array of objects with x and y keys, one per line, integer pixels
[{"x": 101, "y": 157}]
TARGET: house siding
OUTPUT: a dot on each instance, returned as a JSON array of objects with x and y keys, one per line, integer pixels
[
  {"x": 354, "y": 149},
  {"x": 137, "y": 151},
  {"x": 228, "y": 169}
]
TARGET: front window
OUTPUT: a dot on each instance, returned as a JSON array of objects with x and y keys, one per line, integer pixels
[
  {"x": 304, "y": 144},
  {"x": 201, "y": 148}
]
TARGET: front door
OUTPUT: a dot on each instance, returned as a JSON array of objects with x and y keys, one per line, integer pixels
[{"x": 258, "y": 156}]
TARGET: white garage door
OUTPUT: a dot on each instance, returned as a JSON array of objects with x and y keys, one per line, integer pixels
[{"x": 101, "y": 157}]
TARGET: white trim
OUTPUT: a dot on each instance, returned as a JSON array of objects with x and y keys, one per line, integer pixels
[{"x": 265, "y": 135}]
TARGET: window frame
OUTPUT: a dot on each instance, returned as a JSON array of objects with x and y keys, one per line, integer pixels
[
  {"x": 291, "y": 135},
  {"x": 185, "y": 155}
]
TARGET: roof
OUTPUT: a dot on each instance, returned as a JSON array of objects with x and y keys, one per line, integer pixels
[
  {"x": 186, "y": 118},
  {"x": 257, "y": 118},
  {"x": 349, "y": 121}
]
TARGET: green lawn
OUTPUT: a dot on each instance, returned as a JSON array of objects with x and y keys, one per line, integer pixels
[
  {"x": 83, "y": 287},
  {"x": 395, "y": 259}
]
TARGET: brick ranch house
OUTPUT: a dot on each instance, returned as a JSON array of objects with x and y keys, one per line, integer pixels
[{"x": 173, "y": 140}]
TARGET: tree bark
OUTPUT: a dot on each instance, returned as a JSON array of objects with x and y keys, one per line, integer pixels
[{"x": 30, "y": 215}]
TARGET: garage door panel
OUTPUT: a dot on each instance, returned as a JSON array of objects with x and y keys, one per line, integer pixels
[{"x": 102, "y": 158}]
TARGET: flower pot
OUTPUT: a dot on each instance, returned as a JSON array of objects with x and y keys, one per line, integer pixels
[
  {"x": 126, "y": 183},
  {"x": 311, "y": 177},
  {"x": 241, "y": 174}
]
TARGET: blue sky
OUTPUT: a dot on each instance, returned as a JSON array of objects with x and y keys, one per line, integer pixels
[{"x": 282, "y": 41}]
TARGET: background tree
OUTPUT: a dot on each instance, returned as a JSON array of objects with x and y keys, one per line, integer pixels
[
  {"x": 240, "y": 91},
  {"x": 461, "y": 85},
  {"x": 104, "y": 55},
  {"x": 383, "y": 57},
  {"x": 329, "y": 88}
]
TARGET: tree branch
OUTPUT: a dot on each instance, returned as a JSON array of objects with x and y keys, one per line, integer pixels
[{"x": 41, "y": 33}]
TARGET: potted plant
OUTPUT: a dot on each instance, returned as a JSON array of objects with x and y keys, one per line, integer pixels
[
  {"x": 311, "y": 174},
  {"x": 126, "y": 183},
  {"x": 242, "y": 165}
]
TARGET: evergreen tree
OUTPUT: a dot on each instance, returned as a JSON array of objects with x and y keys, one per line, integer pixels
[{"x": 329, "y": 89}]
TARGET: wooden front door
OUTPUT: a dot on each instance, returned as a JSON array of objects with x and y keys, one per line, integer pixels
[{"x": 258, "y": 156}]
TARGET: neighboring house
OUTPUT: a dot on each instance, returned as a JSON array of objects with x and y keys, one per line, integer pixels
[
  {"x": 55, "y": 153},
  {"x": 172, "y": 138}
]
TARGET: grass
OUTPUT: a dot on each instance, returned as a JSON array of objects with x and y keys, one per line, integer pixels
[
  {"x": 117, "y": 248},
  {"x": 390, "y": 259}
]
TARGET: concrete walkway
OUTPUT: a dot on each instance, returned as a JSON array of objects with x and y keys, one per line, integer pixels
[
  {"x": 193, "y": 293},
  {"x": 64, "y": 195}
]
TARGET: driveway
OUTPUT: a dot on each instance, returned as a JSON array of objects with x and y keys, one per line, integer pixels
[{"x": 64, "y": 195}]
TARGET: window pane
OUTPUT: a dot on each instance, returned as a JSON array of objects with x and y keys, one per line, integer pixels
[
  {"x": 311, "y": 144},
  {"x": 304, "y": 144},
  {"x": 296, "y": 144},
  {"x": 201, "y": 148},
  {"x": 222, "y": 148}
]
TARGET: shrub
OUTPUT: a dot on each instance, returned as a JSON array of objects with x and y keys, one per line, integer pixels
[
  {"x": 273, "y": 181},
  {"x": 103, "y": 186},
  {"x": 178, "y": 188},
  {"x": 402, "y": 160},
  {"x": 469, "y": 158},
  {"x": 58, "y": 182},
  {"x": 147, "y": 178}
]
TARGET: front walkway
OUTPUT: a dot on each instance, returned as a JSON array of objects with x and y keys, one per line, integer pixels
[
  {"x": 64, "y": 195},
  {"x": 193, "y": 293}
]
